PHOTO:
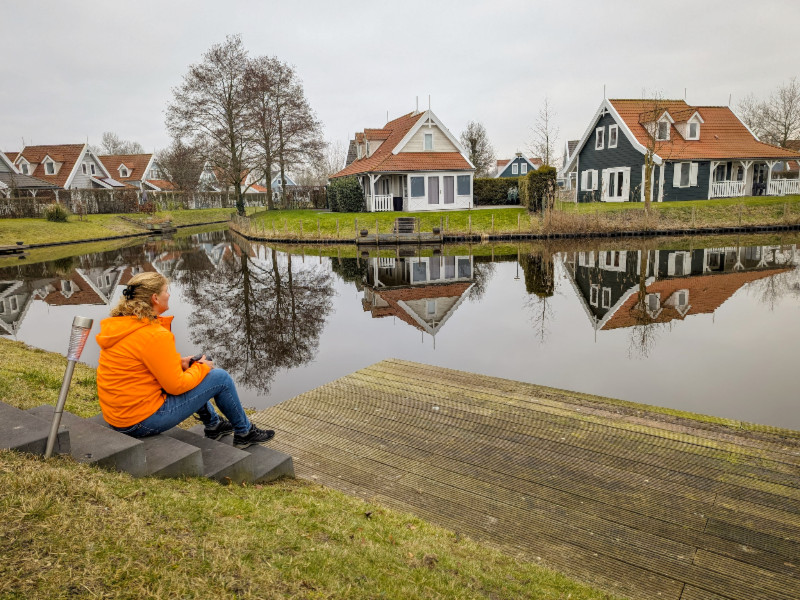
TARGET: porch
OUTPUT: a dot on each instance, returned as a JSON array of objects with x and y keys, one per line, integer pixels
[
  {"x": 733, "y": 179},
  {"x": 417, "y": 191}
]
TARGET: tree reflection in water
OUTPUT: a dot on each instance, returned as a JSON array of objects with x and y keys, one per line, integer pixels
[
  {"x": 539, "y": 272},
  {"x": 257, "y": 312}
]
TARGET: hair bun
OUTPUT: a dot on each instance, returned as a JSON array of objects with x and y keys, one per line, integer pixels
[{"x": 129, "y": 291}]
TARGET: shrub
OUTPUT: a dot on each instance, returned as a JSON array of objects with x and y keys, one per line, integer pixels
[
  {"x": 493, "y": 191},
  {"x": 345, "y": 195},
  {"x": 538, "y": 188},
  {"x": 55, "y": 213}
]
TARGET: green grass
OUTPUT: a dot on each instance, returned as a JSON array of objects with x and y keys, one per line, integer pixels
[{"x": 73, "y": 531}]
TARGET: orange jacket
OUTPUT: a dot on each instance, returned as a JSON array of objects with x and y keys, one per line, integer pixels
[{"x": 138, "y": 367}]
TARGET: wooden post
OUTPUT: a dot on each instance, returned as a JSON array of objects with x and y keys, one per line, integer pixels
[
  {"x": 785, "y": 211},
  {"x": 740, "y": 215},
  {"x": 519, "y": 226},
  {"x": 286, "y": 228},
  {"x": 376, "y": 231},
  {"x": 301, "y": 229},
  {"x": 273, "y": 227},
  {"x": 492, "y": 225},
  {"x": 469, "y": 220},
  {"x": 441, "y": 223},
  {"x": 337, "y": 229},
  {"x": 693, "y": 217},
  {"x": 447, "y": 222},
  {"x": 355, "y": 225},
  {"x": 318, "y": 233}
]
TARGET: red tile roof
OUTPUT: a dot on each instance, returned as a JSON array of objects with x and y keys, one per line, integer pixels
[
  {"x": 382, "y": 160},
  {"x": 162, "y": 184},
  {"x": 503, "y": 162},
  {"x": 426, "y": 292},
  {"x": 722, "y": 134},
  {"x": 706, "y": 294},
  {"x": 67, "y": 154},
  {"x": 136, "y": 163}
]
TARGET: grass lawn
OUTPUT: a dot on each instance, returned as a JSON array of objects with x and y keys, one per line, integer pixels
[
  {"x": 40, "y": 231},
  {"x": 73, "y": 531}
]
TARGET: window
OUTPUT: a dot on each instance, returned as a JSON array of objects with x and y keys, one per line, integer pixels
[
  {"x": 83, "y": 168},
  {"x": 662, "y": 130},
  {"x": 91, "y": 168},
  {"x": 417, "y": 187},
  {"x": 123, "y": 172},
  {"x": 463, "y": 185},
  {"x": 594, "y": 295},
  {"x": 428, "y": 141},
  {"x": 694, "y": 131},
  {"x": 599, "y": 141},
  {"x": 23, "y": 167},
  {"x": 685, "y": 174},
  {"x": 515, "y": 169},
  {"x": 154, "y": 174},
  {"x": 616, "y": 184},
  {"x": 719, "y": 173},
  {"x": 606, "y": 297},
  {"x": 419, "y": 272},
  {"x": 50, "y": 168},
  {"x": 431, "y": 307},
  {"x": 13, "y": 304},
  {"x": 613, "y": 133},
  {"x": 523, "y": 168},
  {"x": 739, "y": 173},
  {"x": 653, "y": 302},
  {"x": 589, "y": 180}
]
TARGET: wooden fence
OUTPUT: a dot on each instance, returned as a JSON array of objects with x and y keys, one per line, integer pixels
[{"x": 129, "y": 200}]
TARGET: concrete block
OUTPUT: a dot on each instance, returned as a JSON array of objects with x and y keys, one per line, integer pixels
[
  {"x": 98, "y": 445},
  {"x": 166, "y": 456},
  {"x": 220, "y": 461},
  {"x": 267, "y": 464},
  {"x": 25, "y": 432}
]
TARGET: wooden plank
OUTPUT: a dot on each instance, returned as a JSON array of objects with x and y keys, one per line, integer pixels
[{"x": 655, "y": 507}]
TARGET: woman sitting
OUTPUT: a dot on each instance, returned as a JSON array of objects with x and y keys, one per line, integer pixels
[{"x": 146, "y": 387}]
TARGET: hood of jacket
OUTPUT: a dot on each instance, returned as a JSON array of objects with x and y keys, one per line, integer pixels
[{"x": 115, "y": 329}]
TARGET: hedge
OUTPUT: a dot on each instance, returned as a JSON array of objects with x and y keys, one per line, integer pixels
[
  {"x": 537, "y": 189},
  {"x": 493, "y": 191},
  {"x": 345, "y": 195}
]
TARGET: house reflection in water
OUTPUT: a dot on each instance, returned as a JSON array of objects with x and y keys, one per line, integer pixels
[
  {"x": 421, "y": 291},
  {"x": 676, "y": 283}
]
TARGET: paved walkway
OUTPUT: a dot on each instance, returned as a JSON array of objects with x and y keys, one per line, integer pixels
[{"x": 639, "y": 503}]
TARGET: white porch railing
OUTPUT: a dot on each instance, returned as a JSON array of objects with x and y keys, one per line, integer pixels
[
  {"x": 380, "y": 203},
  {"x": 727, "y": 189},
  {"x": 781, "y": 187}
]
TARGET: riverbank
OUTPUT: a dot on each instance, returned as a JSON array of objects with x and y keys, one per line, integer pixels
[{"x": 77, "y": 531}]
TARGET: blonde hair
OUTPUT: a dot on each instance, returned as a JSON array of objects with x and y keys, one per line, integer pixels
[{"x": 135, "y": 301}]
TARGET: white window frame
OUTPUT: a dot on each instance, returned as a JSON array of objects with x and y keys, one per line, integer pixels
[
  {"x": 84, "y": 168},
  {"x": 23, "y": 168},
  {"x": 523, "y": 168},
  {"x": 515, "y": 169},
  {"x": 606, "y": 297},
  {"x": 621, "y": 196},
  {"x": 49, "y": 167},
  {"x": 123, "y": 171},
  {"x": 613, "y": 135},
  {"x": 658, "y": 130},
  {"x": 600, "y": 138},
  {"x": 424, "y": 186},
  {"x": 689, "y": 135},
  {"x": 424, "y": 140},
  {"x": 469, "y": 186},
  {"x": 594, "y": 294},
  {"x": 672, "y": 260},
  {"x": 584, "y": 186},
  {"x": 92, "y": 169},
  {"x": 618, "y": 256}
]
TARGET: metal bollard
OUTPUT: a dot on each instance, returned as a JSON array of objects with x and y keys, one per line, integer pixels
[{"x": 81, "y": 326}]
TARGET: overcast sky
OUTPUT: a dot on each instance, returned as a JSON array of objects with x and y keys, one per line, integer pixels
[{"x": 74, "y": 69}]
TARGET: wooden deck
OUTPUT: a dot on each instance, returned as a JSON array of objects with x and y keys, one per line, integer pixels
[{"x": 637, "y": 502}]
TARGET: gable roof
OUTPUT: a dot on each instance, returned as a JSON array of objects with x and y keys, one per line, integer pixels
[
  {"x": 502, "y": 163},
  {"x": 388, "y": 158},
  {"x": 137, "y": 165},
  {"x": 722, "y": 135},
  {"x": 67, "y": 154}
]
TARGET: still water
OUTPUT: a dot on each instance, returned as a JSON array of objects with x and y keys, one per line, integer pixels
[{"x": 712, "y": 328}]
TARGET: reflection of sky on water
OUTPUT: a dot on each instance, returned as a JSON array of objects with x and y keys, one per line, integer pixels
[{"x": 736, "y": 361}]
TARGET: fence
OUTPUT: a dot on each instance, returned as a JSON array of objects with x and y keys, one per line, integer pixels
[{"x": 130, "y": 200}]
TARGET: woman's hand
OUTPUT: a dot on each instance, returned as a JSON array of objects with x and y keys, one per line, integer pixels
[
  {"x": 185, "y": 362},
  {"x": 205, "y": 361}
]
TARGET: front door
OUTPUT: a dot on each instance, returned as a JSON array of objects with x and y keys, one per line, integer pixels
[
  {"x": 433, "y": 190},
  {"x": 449, "y": 189}
]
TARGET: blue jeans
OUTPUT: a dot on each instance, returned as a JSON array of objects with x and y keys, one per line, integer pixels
[{"x": 218, "y": 385}]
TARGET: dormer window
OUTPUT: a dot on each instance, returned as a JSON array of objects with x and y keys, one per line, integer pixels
[
  {"x": 523, "y": 168},
  {"x": 50, "y": 167},
  {"x": 515, "y": 169},
  {"x": 123, "y": 171},
  {"x": 662, "y": 131},
  {"x": 23, "y": 167},
  {"x": 91, "y": 168},
  {"x": 428, "y": 141}
]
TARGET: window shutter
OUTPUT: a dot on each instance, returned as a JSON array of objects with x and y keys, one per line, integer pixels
[
  {"x": 583, "y": 180},
  {"x": 626, "y": 184},
  {"x": 676, "y": 174},
  {"x": 693, "y": 173},
  {"x": 605, "y": 183},
  {"x": 594, "y": 179}
]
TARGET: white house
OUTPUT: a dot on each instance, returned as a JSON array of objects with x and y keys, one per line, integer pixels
[{"x": 412, "y": 163}]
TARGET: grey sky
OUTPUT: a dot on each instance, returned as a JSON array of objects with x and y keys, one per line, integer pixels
[{"x": 75, "y": 69}]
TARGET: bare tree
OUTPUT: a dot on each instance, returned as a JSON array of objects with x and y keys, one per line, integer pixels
[
  {"x": 479, "y": 150},
  {"x": 262, "y": 73},
  {"x": 112, "y": 144},
  {"x": 299, "y": 131},
  {"x": 330, "y": 161},
  {"x": 181, "y": 165},
  {"x": 657, "y": 146},
  {"x": 209, "y": 110},
  {"x": 775, "y": 120},
  {"x": 545, "y": 134}
]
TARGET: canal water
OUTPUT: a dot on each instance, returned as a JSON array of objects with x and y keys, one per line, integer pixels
[{"x": 709, "y": 326}]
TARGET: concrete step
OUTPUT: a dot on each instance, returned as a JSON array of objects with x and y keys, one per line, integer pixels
[
  {"x": 220, "y": 461},
  {"x": 98, "y": 445},
  {"x": 267, "y": 465},
  {"x": 25, "y": 432},
  {"x": 166, "y": 456}
]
